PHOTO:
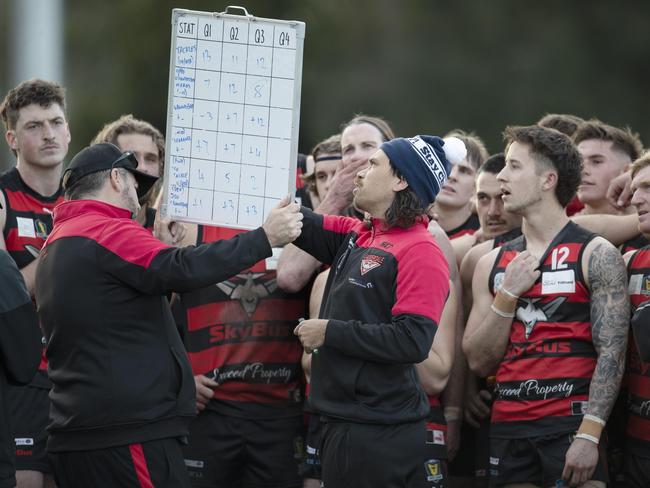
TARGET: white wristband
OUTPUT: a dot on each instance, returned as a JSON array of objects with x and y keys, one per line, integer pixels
[
  {"x": 593, "y": 418},
  {"x": 509, "y": 293},
  {"x": 587, "y": 437},
  {"x": 451, "y": 413},
  {"x": 501, "y": 313}
]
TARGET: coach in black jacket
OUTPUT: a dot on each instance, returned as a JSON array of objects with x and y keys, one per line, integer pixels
[
  {"x": 123, "y": 391},
  {"x": 20, "y": 353}
]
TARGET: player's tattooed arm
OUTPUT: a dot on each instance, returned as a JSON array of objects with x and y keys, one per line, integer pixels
[{"x": 610, "y": 315}]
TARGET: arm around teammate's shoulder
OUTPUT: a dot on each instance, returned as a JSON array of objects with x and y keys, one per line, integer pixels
[{"x": 615, "y": 228}]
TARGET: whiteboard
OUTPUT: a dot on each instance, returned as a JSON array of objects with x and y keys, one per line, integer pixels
[{"x": 232, "y": 117}]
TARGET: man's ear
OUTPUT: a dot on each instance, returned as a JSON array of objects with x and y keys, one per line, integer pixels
[
  {"x": 117, "y": 182},
  {"x": 10, "y": 137},
  {"x": 550, "y": 181},
  {"x": 400, "y": 185}
]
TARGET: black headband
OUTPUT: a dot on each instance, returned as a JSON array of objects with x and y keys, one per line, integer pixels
[{"x": 327, "y": 158}]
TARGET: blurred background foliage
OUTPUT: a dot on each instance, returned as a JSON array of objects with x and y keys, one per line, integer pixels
[{"x": 427, "y": 66}]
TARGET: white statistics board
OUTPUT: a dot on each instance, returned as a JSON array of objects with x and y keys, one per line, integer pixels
[{"x": 232, "y": 117}]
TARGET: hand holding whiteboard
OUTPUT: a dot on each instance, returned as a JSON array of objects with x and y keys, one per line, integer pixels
[
  {"x": 233, "y": 116},
  {"x": 284, "y": 223}
]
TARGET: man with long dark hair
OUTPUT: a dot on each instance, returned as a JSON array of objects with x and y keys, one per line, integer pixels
[{"x": 383, "y": 302}]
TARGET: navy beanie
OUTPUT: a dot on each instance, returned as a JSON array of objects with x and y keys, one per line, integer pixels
[{"x": 425, "y": 162}]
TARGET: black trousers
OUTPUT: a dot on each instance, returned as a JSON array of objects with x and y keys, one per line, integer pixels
[
  {"x": 149, "y": 464},
  {"x": 371, "y": 455}
]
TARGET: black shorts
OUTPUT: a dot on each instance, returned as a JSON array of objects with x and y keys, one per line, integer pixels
[
  {"x": 230, "y": 451},
  {"x": 29, "y": 410},
  {"x": 156, "y": 463},
  {"x": 311, "y": 458},
  {"x": 372, "y": 455},
  {"x": 434, "y": 463},
  {"x": 636, "y": 471},
  {"x": 473, "y": 456},
  {"x": 537, "y": 460}
]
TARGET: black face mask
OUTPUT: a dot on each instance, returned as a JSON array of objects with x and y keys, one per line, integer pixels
[{"x": 641, "y": 330}]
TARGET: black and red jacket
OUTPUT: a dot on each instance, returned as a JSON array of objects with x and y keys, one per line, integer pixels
[
  {"x": 638, "y": 371},
  {"x": 384, "y": 297},
  {"x": 27, "y": 225},
  {"x": 543, "y": 380},
  {"x": 240, "y": 333},
  {"x": 20, "y": 346},
  {"x": 118, "y": 367}
]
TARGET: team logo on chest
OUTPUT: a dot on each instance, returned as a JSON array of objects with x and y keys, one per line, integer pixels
[
  {"x": 531, "y": 313},
  {"x": 249, "y": 289},
  {"x": 370, "y": 262}
]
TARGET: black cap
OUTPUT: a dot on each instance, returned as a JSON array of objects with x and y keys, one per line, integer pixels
[{"x": 103, "y": 156}]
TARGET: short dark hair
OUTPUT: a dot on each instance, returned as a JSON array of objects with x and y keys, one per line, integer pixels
[
  {"x": 565, "y": 123},
  {"x": 477, "y": 153},
  {"x": 87, "y": 185},
  {"x": 494, "y": 164},
  {"x": 551, "y": 147},
  {"x": 380, "y": 124},
  {"x": 34, "y": 91},
  {"x": 622, "y": 139},
  {"x": 406, "y": 209}
]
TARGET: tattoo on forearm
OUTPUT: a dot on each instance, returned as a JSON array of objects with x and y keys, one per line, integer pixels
[{"x": 610, "y": 315}]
